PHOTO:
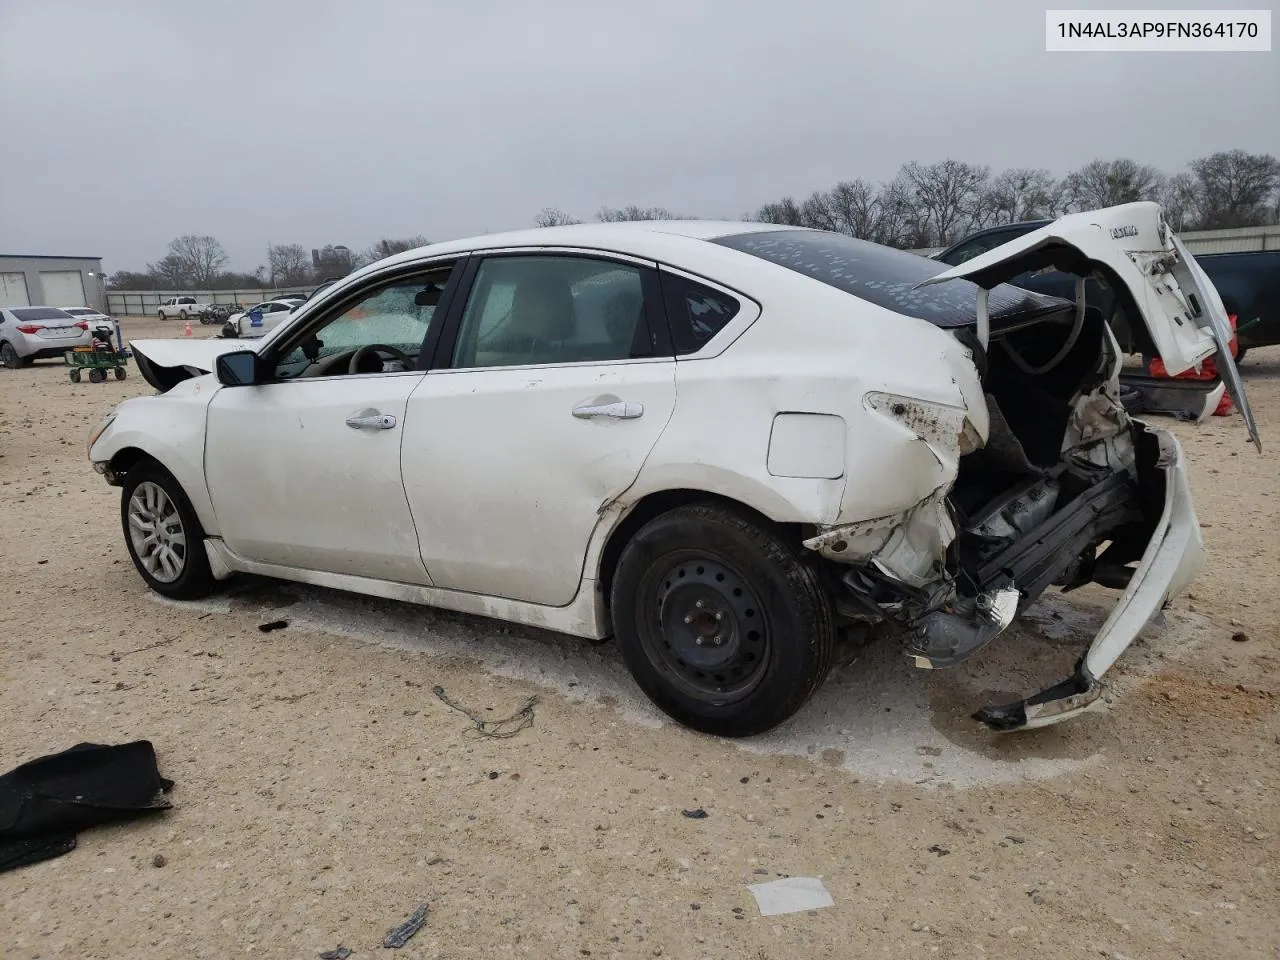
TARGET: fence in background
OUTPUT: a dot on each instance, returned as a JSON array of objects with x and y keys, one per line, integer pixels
[
  {"x": 142, "y": 303},
  {"x": 1232, "y": 240}
]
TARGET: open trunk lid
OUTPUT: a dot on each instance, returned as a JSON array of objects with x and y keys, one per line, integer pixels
[{"x": 1156, "y": 282}]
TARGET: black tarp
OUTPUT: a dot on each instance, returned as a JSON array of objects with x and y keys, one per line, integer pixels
[{"x": 45, "y": 802}]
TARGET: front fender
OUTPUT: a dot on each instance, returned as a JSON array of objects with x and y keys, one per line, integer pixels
[{"x": 169, "y": 428}]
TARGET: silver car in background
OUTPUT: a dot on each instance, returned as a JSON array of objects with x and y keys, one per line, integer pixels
[{"x": 32, "y": 333}]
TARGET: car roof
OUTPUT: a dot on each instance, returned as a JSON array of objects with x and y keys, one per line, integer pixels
[{"x": 639, "y": 237}]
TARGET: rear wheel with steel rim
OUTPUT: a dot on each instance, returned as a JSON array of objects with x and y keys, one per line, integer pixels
[
  {"x": 163, "y": 534},
  {"x": 722, "y": 621}
]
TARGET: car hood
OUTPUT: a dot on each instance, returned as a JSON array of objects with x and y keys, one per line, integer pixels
[
  {"x": 1156, "y": 280},
  {"x": 166, "y": 363}
]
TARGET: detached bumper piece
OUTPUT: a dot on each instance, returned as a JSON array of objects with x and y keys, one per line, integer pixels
[{"x": 1071, "y": 696}]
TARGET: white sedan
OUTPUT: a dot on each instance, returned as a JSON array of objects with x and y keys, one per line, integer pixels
[
  {"x": 261, "y": 318},
  {"x": 716, "y": 442}
]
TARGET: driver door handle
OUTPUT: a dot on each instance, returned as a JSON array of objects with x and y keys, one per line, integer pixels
[
  {"x": 378, "y": 421},
  {"x": 620, "y": 410}
]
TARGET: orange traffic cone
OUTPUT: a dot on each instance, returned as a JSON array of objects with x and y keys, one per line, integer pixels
[{"x": 188, "y": 330}]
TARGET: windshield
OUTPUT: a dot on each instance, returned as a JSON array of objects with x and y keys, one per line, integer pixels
[{"x": 887, "y": 277}]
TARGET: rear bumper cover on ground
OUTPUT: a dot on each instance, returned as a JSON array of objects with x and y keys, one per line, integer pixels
[{"x": 1174, "y": 555}]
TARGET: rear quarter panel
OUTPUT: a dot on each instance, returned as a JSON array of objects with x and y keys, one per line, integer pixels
[{"x": 814, "y": 349}]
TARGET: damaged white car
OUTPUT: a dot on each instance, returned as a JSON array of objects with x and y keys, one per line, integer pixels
[{"x": 716, "y": 442}]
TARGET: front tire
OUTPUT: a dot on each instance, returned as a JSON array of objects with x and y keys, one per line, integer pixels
[
  {"x": 721, "y": 621},
  {"x": 163, "y": 534}
]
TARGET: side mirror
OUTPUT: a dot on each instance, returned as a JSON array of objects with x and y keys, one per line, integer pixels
[{"x": 237, "y": 369}]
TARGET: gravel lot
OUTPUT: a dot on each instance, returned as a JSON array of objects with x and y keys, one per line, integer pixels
[{"x": 323, "y": 792}]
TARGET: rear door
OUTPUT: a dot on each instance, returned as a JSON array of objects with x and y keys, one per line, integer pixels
[
  {"x": 557, "y": 382},
  {"x": 1157, "y": 283}
]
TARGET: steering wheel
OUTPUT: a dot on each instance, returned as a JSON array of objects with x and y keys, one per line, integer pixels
[{"x": 354, "y": 365}]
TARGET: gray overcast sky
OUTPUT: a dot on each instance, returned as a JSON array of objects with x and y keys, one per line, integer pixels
[{"x": 129, "y": 122}]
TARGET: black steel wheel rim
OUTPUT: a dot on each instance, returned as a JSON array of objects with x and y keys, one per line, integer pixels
[{"x": 704, "y": 627}]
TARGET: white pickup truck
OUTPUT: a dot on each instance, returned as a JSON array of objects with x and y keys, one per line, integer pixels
[{"x": 181, "y": 307}]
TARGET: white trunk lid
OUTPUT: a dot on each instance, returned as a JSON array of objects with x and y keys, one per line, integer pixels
[{"x": 1134, "y": 249}]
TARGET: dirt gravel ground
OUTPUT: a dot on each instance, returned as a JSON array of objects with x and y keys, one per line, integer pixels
[{"x": 323, "y": 792}]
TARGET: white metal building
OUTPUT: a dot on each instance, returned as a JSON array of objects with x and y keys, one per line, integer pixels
[{"x": 51, "y": 281}]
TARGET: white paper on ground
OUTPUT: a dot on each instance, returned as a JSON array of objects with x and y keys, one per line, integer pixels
[{"x": 790, "y": 895}]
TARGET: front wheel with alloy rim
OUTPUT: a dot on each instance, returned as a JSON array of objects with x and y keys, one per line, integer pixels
[
  {"x": 163, "y": 534},
  {"x": 721, "y": 621}
]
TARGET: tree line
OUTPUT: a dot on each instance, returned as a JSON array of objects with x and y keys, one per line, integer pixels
[
  {"x": 923, "y": 205},
  {"x": 935, "y": 204},
  {"x": 198, "y": 262}
]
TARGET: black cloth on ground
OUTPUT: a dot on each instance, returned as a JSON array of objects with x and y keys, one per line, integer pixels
[{"x": 45, "y": 802}]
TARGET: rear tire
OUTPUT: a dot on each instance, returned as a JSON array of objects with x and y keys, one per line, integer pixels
[
  {"x": 163, "y": 534},
  {"x": 711, "y": 574},
  {"x": 9, "y": 356}
]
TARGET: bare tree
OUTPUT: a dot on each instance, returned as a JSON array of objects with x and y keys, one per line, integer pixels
[
  {"x": 857, "y": 209},
  {"x": 818, "y": 212},
  {"x": 1105, "y": 183},
  {"x": 196, "y": 258},
  {"x": 1235, "y": 189},
  {"x": 945, "y": 195},
  {"x": 1019, "y": 194},
  {"x": 553, "y": 217},
  {"x": 288, "y": 264},
  {"x": 611, "y": 215},
  {"x": 388, "y": 247},
  {"x": 1180, "y": 202},
  {"x": 169, "y": 272},
  {"x": 786, "y": 211},
  {"x": 332, "y": 260}
]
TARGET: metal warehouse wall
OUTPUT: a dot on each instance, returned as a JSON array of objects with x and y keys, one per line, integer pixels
[{"x": 30, "y": 269}]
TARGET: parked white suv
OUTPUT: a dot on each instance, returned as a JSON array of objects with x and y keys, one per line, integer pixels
[{"x": 183, "y": 308}]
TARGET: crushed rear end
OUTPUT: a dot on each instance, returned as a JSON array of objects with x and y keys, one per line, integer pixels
[{"x": 1067, "y": 489}]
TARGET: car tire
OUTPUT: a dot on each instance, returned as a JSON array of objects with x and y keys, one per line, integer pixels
[
  {"x": 160, "y": 315},
  {"x": 721, "y": 621},
  {"x": 9, "y": 356},
  {"x": 74, "y": 374},
  {"x": 150, "y": 494}
]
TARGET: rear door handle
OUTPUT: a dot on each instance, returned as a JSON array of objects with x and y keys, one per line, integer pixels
[
  {"x": 377, "y": 421},
  {"x": 619, "y": 410}
]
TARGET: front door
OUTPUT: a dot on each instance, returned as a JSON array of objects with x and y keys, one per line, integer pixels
[
  {"x": 561, "y": 380},
  {"x": 304, "y": 470}
]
